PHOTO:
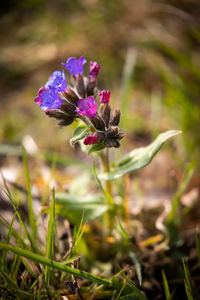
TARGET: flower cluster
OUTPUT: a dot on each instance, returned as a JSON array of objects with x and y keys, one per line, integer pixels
[{"x": 67, "y": 103}]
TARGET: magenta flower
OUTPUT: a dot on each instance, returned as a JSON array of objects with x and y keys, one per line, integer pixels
[
  {"x": 40, "y": 92},
  {"x": 87, "y": 107},
  {"x": 90, "y": 139},
  {"x": 94, "y": 70},
  {"x": 104, "y": 96},
  {"x": 74, "y": 65}
]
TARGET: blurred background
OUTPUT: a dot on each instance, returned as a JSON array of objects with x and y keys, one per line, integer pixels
[{"x": 150, "y": 56}]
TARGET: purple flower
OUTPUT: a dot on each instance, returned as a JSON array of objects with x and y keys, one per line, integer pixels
[
  {"x": 94, "y": 70},
  {"x": 87, "y": 107},
  {"x": 48, "y": 99},
  {"x": 57, "y": 82},
  {"x": 48, "y": 96},
  {"x": 104, "y": 96},
  {"x": 90, "y": 139},
  {"x": 74, "y": 65},
  {"x": 38, "y": 99}
]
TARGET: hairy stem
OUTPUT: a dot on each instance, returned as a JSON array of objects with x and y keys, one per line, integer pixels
[{"x": 104, "y": 156}]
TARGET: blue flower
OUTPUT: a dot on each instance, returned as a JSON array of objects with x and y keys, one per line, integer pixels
[
  {"x": 48, "y": 96},
  {"x": 74, "y": 65},
  {"x": 57, "y": 82}
]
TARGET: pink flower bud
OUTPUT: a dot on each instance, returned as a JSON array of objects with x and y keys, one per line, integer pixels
[
  {"x": 104, "y": 96},
  {"x": 94, "y": 70},
  {"x": 90, "y": 139}
]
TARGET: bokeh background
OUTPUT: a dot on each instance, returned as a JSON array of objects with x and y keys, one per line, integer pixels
[{"x": 150, "y": 56}]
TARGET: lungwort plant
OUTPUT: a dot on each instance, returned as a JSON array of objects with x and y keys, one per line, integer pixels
[{"x": 97, "y": 130}]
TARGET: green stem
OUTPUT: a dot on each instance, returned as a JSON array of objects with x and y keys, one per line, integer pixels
[
  {"x": 55, "y": 265},
  {"x": 104, "y": 156}
]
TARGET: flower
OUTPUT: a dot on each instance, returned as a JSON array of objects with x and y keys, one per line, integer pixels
[
  {"x": 48, "y": 99},
  {"x": 94, "y": 70},
  {"x": 90, "y": 139},
  {"x": 87, "y": 107},
  {"x": 48, "y": 96},
  {"x": 104, "y": 96},
  {"x": 57, "y": 82},
  {"x": 74, "y": 65},
  {"x": 40, "y": 92}
]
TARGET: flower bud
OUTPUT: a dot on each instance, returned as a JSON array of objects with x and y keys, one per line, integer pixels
[
  {"x": 98, "y": 124},
  {"x": 65, "y": 120},
  {"x": 94, "y": 70},
  {"x": 68, "y": 109},
  {"x": 101, "y": 136},
  {"x": 70, "y": 95},
  {"x": 115, "y": 118},
  {"x": 104, "y": 96},
  {"x": 90, "y": 140},
  {"x": 104, "y": 112},
  {"x": 79, "y": 84}
]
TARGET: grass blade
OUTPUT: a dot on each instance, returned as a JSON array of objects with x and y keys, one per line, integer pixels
[
  {"x": 197, "y": 245},
  {"x": 166, "y": 286},
  {"x": 125, "y": 235},
  {"x": 14, "y": 233},
  {"x": 32, "y": 221},
  {"x": 3, "y": 260},
  {"x": 50, "y": 238},
  {"x": 187, "y": 279},
  {"x": 188, "y": 292},
  {"x": 55, "y": 265}
]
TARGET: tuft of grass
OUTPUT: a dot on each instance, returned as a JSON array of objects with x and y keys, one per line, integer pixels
[{"x": 29, "y": 236}]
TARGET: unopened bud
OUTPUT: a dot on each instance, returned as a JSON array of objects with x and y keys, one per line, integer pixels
[
  {"x": 104, "y": 96},
  {"x": 68, "y": 108},
  {"x": 70, "y": 95},
  {"x": 79, "y": 84},
  {"x": 90, "y": 139},
  {"x": 98, "y": 123},
  {"x": 94, "y": 70},
  {"x": 115, "y": 118},
  {"x": 104, "y": 112},
  {"x": 65, "y": 120}
]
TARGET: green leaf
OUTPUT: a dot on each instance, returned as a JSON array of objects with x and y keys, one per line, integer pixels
[
  {"x": 80, "y": 133},
  {"x": 95, "y": 148},
  {"x": 139, "y": 158},
  {"x": 72, "y": 207}
]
